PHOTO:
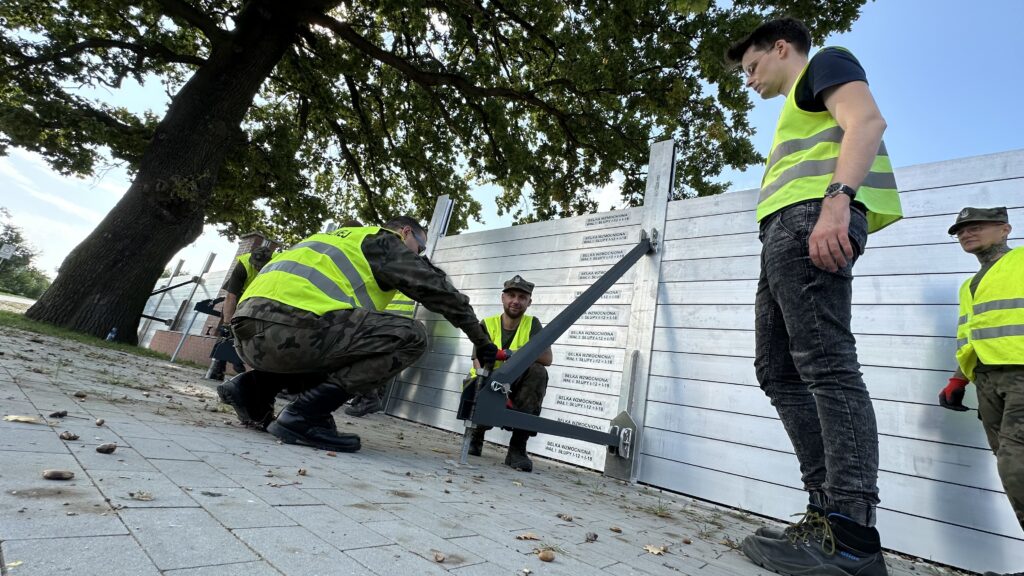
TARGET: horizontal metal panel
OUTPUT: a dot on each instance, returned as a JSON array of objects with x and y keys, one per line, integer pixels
[
  {"x": 421, "y": 377},
  {"x": 941, "y": 501},
  {"x": 712, "y": 225},
  {"x": 940, "y": 542},
  {"x": 728, "y": 203},
  {"x": 913, "y": 290},
  {"x": 713, "y": 247},
  {"x": 988, "y": 167},
  {"x": 576, "y": 356},
  {"x": 577, "y": 276},
  {"x": 945, "y": 443},
  {"x": 905, "y": 320},
  {"x": 923, "y": 352},
  {"x": 585, "y": 223},
  {"x": 547, "y": 260},
  {"x": 428, "y": 396},
  {"x": 526, "y": 248},
  {"x": 443, "y": 419},
  {"x": 454, "y": 363}
]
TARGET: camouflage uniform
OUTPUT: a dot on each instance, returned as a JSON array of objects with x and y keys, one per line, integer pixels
[
  {"x": 359, "y": 349},
  {"x": 1001, "y": 409}
]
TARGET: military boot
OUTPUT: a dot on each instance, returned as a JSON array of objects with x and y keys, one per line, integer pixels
[
  {"x": 308, "y": 421},
  {"x": 364, "y": 404},
  {"x": 832, "y": 546},
  {"x": 476, "y": 442},
  {"x": 251, "y": 394},
  {"x": 517, "y": 457}
]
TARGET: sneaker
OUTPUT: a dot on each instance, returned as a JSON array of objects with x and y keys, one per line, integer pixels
[
  {"x": 832, "y": 546},
  {"x": 364, "y": 404},
  {"x": 807, "y": 521}
]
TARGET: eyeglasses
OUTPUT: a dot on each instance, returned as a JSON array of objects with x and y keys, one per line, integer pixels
[
  {"x": 752, "y": 67},
  {"x": 972, "y": 229},
  {"x": 421, "y": 245}
]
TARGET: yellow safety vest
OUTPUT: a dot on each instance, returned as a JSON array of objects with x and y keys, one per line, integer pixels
[
  {"x": 250, "y": 271},
  {"x": 402, "y": 305},
  {"x": 322, "y": 273},
  {"x": 991, "y": 324},
  {"x": 803, "y": 159},
  {"x": 493, "y": 324}
]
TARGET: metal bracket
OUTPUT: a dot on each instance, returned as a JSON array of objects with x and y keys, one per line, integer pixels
[{"x": 502, "y": 387}]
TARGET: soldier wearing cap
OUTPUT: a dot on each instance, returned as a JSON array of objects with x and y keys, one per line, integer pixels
[
  {"x": 511, "y": 330},
  {"x": 247, "y": 266},
  {"x": 990, "y": 342}
]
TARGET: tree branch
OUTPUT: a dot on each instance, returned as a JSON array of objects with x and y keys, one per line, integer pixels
[
  {"x": 186, "y": 12},
  {"x": 353, "y": 162},
  {"x": 157, "y": 50}
]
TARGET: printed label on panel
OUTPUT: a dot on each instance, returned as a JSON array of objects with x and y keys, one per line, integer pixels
[
  {"x": 585, "y": 403},
  {"x": 616, "y": 237},
  {"x": 572, "y": 451},
  {"x": 612, "y": 256},
  {"x": 601, "y": 381},
  {"x": 607, "y": 359},
  {"x": 608, "y": 220}
]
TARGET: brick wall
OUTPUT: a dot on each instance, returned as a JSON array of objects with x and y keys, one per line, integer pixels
[{"x": 195, "y": 349}]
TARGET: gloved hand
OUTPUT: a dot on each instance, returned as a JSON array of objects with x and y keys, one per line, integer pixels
[
  {"x": 224, "y": 331},
  {"x": 952, "y": 396},
  {"x": 487, "y": 354},
  {"x": 504, "y": 355}
]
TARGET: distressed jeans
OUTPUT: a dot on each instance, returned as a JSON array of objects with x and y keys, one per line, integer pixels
[{"x": 806, "y": 362}]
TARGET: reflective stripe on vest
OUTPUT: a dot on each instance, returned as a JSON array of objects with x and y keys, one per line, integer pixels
[
  {"x": 402, "y": 305},
  {"x": 991, "y": 323},
  {"x": 322, "y": 273},
  {"x": 522, "y": 336},
  {"x": 250, "y": 271},
  {"x": 803, "y": 160}
]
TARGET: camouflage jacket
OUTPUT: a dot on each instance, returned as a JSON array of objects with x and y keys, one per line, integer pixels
[{"x": 394, "y": 267}]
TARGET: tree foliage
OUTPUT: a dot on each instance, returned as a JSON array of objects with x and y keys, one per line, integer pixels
[
  {"x": 379, "y": 107},
  {"x": 18, "y": 275}
]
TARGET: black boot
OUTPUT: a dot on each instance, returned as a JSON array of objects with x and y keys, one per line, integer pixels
[
  {"x": 814, "y": 513},
  {"x": 833, "y": 545},
  {"x": 308, "y": 420},
  {"x": 476, "y": 442},
  {"x": 517, "y": 457},
  {"x": 216, "y": 371},
  {"x": 251, "y": 396},
  {"x": 363, "y": 404}
]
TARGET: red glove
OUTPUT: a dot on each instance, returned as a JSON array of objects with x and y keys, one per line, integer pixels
[
  {"x": 503, "y": 355},
  {"x": 952, "y": 396}
]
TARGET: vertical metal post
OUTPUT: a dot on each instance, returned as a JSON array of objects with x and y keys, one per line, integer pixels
[
  {"x": 643, "y": 307},
  {"x": 198, "y": 281},
  {"x": 436, "y": 229},
  {"x": 159, "y": 300}
]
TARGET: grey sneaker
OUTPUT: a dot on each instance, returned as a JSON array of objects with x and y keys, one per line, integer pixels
[
  {"x": 807, "y": 521},
  {"x": 824, "y": 548}
]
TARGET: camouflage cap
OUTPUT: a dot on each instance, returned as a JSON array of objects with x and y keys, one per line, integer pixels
[
  {"x": 261, "y": 254},
  {"x": 517, "y": 283},
  {"x": 969, "y": 215}
]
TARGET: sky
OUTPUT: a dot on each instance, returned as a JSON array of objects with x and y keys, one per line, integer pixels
[{"x": 943, "y": 75}]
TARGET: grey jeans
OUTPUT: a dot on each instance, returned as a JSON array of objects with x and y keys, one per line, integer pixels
[{"x": 806, "y": 363}]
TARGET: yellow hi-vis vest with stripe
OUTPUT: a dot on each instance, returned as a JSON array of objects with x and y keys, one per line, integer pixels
[
  {"x": 991, "y": 326},
  {"x": 803, "y": 159},
  {"x": 324, "y": 272},
  {"x": 402, "y": 305},
  {"x": 250, "y": 271},
  {"x": 493, "y": 324}
]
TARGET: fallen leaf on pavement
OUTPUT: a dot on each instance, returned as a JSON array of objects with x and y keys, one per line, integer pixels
[
  {"x": 332, "y": 454},
  {"x": 517, "y": 483},
  {"x": 566, "y": 517},
  {"x": 141, "y": 495},
  {"x": 656, "y": 550},
  {"x": 616, "y": 529},
  {"x": 23, "y": 419},
  {"x": 528, "y": 536},
  {"x": 59, "y": 414},
  {"x": 15, "y": 564}
]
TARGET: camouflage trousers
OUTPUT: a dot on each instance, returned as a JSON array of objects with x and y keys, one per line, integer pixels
[
  {"x": 527, "y": 392},
  {"x": 358, "y": 350},
  {"x": 1001, "y": 409}
]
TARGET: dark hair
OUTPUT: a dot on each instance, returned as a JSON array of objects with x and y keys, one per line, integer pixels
[
  {"x": 261, "y": 254},
  {"x": 400, "y": 222},
  {"x": 789, "y": 29},
  {"x": 351, "y": 223}
]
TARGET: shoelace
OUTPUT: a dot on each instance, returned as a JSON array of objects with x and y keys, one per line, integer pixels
[
  {"x": 806, "y": 522},
  {"x": 816, "y": 526}
]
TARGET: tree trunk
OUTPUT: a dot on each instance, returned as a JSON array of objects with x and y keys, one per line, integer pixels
[{"x": 106, "y": 280}]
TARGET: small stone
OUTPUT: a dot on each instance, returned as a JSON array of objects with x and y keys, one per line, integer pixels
[
  {"x": 616, "y": 529},
  {"x": 80, "y": 394},
  {"x": 107, "y": 448},
  {"x": 566, "y": 517},
  {"x": 332, "y": 454},
  {"x": 100, "y": 421},
  {"x": 145, "y": 394},
  {"x": 687, "y": 541},
  {"x": 58, "y": 474},
  {"x": 591, "y": 536},
  {"x": 302, "y": 471},
  {"x": 59, "y": 414},
  {"x": 439, "y": 557},
  {"x": 65, "y": 435},
  {"x": 546, "y": 555}
]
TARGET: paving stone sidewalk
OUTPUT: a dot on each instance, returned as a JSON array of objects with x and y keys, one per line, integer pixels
[{"x": 189, "y": 493}]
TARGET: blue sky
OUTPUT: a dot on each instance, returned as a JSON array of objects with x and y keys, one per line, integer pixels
[{"x": 944, "y": 76}]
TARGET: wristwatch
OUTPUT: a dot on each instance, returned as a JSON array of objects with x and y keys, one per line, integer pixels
[{"x": 837, "y": 188}]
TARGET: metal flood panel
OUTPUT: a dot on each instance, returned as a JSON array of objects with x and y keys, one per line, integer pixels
[
  {"x": 710, "y": 432},
  {"x": 174, "y": 299},
  {"x": 562, "y": 258}
]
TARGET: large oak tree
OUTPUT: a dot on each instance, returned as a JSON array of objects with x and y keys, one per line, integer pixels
[{"x": 285, "y": 113}]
